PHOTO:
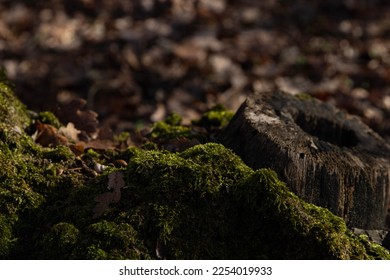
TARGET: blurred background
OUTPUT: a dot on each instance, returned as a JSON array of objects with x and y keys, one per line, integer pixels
[{"x": 137, "y": 61}]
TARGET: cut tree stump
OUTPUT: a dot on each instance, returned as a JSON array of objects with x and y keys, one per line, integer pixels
[{"x": 325, "y": 156}]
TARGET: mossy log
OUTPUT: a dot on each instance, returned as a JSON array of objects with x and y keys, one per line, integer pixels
[
  {"x": 200, "y": 203},
  {"x": 325, "y": 156}
]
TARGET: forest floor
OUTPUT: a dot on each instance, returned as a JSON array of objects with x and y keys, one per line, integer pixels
[{"x": 137, "y": 61}]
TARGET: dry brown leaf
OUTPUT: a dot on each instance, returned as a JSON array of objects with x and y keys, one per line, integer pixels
[
  {"x": 116, "y": 196},
  {"x": 100, "y": 144},
  {"x": 78, "y": 148},
  {"x": 103, "y": 201},
  {"x": 115, "y": 183},
  {"x": 47, "y": 135},
  {"x": 70, "y": 132},
  {"x": 75, "y": 112}
]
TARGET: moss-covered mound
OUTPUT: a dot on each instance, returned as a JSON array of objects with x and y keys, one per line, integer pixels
[
  {"x": 28, "y": 172},
  {"x": 200, "y": 203}
]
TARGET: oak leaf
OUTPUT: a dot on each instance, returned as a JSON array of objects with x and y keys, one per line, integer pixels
[
  {"x": 70, "y": 132},
  {"x": 48, "y": 136},
  {"x": 115, "y": 183},
  {"x": 103, "y": 201},
  {"x": 76, "y": 112}
]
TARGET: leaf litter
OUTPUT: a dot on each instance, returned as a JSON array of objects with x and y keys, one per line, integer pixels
[{"x": 138, "y": 61}]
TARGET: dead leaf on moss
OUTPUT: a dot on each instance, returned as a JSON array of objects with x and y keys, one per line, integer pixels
[
  {"x": 116, "y": 197},
  {"x": 115, "y": 183},
  {"x": 103, "y": 201}
]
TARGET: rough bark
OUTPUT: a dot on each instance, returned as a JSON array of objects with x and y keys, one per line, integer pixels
[{"x": 325, "y": 156}]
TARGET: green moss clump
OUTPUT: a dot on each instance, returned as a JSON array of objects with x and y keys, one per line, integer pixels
[
  {"x": 122, "y": 137},
  {"x": 202, "y": 130},
  {"x": 205, "y": 203},
  {"x": 58, "y": 154},
  {"x": 304, "y": 96},
  {"x": 278, "y": 216},
  {"x": 7, "y": 238},
  {"x": 109, "y": 240},
  {"x": 29, "y": 175},
  {"x": 49, "y": 118},
  {"x": 182, "y": 199},
  {"x": 206, "y": 168},
  {"x": 173, "y": 119},
  {"x": 101, "y": 240},
  {"x": 164, "y": 131},
  {"x": 218, "y": 116},
  {"x": 59, "y": 242},
  {"x": 12, "y": 112}
]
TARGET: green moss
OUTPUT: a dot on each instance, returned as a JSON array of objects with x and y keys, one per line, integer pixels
[
  {"x": 181, "y": 198},
  {"x": 49, "y": 118},
  {"x": 202, "y": 203},
  {"x": 59, "y": 242},
  {"x": 304, "y": 96},
  {"x": 218, "y": 116},
  {"x": 122, "y": 137},
  {"x": 374, "y": 250},
  {"x": 205, "y": 203},
  {"x": 58, "y": 153},
  {"x": 101, "y": 240},
  {"x": 173, "y": 119},
  {"x": 171, "y": 128},
  {"x": 162, "y": 131},
  {"x": 13, "y": 115},
  {"x": 7, "y": 238},
  {"x": 28, "y": 172},
  {"x": 206, "y": 168},
  {"x": 312, "y": 232},
  {"x": 205, "y": 130},
  {"x": 111, "y": 240}
]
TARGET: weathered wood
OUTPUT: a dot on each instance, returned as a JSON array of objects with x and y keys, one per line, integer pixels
[{"x": 324, "y": 155}]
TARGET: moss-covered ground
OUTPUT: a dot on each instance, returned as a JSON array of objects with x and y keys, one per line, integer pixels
[{"x": 199, "y": 201}]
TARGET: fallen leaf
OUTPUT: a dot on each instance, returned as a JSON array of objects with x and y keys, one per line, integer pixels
[
  {"x": 100, "y": 144},
  {"x": 115, "y": 183},
  {"x": 70, "y": 132},
  {"x": 83, "y": 119},
  {"x": 47, "y": 135},
  {"x": 78, "y": 148},
  {"x": 116, "y": 197},
  {"x": 103, "y": 201}
]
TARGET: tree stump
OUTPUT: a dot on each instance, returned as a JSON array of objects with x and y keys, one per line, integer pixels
[{"x": 325, "y": 156}]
